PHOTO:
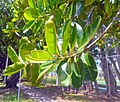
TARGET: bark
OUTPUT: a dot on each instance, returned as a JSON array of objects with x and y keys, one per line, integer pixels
[
  {"x": 96, "y": 86},
  {"x": 12, "y": 81},
  {"x": 108, "y": 76},
  {"x": 118, "y": 57},
  {"x": 116, "y": 69}
]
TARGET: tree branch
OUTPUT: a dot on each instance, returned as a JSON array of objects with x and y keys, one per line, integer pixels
[{"x": 104, "y": 32}]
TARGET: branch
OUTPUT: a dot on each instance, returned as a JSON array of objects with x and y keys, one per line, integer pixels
[{"x": 104, "y": 32}]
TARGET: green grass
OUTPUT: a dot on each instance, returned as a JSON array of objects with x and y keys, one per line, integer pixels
[{"x": 102, "y": 81}]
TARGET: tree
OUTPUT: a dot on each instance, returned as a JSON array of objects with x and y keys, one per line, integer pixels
[{"x": 49, "y": 22}]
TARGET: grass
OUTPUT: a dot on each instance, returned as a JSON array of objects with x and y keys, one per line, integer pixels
[
  {"x": 11, "y": 95},
  {"x": 102, "y": 81}
]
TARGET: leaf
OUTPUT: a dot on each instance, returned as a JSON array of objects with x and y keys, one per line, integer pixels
[
  {"x": 23, "y": 40},
  {"x": 90, "y": 67},
  {"x": 89, "y": 33},
  {"x": 78, "y": 73},
  {"x": 45, "y": 70},
  {"x": 79, "y": 32},
  {"x": 31, "y": 13},
  {"x": 25, "y": 49},
  {"x": 14, "y": 68},
  {"x": 12, "y": 55},
  {"x": 108, "y": 7},
  {"x": 32, "y": 3},
  {"x": 37, "y": 26},
  {"x": 66, "y": 36},
  {"x": 73, "y": 37},
  {"x": 28, "y": 26},
  {"x": 38, "y": 56},
  {"x": 35, "y": 73},
  {"x": 50, "y": 37},
  {"x": 26, "y": 72},
  {"x": 79, "y": 8},
  {"x": 40, "y": 5},
  {"x": 88, "y": 2},
  {"x": 63, "y": 75}
]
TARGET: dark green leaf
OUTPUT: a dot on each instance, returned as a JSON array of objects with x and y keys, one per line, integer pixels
[
  {"x": 28, "y": 25},
  {"x": 66, "y": 36},
  {"x": 90, "y": 68},
  {"x": 89, "y": 33}
]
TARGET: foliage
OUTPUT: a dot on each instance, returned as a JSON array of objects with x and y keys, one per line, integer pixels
[{"x": 49, "y": 23}]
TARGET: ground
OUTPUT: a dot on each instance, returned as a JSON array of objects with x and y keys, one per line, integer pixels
[{"x": 51, "y": 94}]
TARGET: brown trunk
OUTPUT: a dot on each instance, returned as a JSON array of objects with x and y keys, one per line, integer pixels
[
  {"x": 108, "y": 76},
  {"x": 96, "y": 86},
  {"x": 12, "y": 81}
]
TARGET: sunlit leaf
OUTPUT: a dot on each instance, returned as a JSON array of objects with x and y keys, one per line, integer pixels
[
  {"x": 25, "y": 49},
  {"x": 50, "y": 37},
  {"x": 32, "y": 3},
  {"x": 108, "y": 7},
  {"x": 38, "y": 56},
  {"x": 31, "y": 13},
  {"x": 12, "y": 55},
  {"x": 14, "y": 68},
  {"x": 88, "y": 2},
  {"x": 66, "y": 36}
]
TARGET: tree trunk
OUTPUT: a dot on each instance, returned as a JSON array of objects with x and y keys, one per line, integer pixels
[
  {"x": 12, "y": 81},
  {"x": 108, "y": 76},
  {"x": 116, "y": 69},
  {"x": 96, "y": 86},
  {"x": 118, "y": 57}
]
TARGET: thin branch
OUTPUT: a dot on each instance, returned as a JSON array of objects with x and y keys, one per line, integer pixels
[{"x": 105, "y": 31}]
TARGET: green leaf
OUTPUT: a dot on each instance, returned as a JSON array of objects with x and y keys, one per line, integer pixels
[
  {"x": 89, "y": 33},
  {"x": 32, "y": 3},
  {"x": 62, "y": 72},
  {"x": 108, "y": 7},
  {"x": 23, "y": 40},
  {"x": 88, "y": 2},
  {"x": 66, "y": 36},
  {"x": 25, "y": 49},
  {"x": 40, "y": 5},
  {"x": 50, "y": 37},
  {"x": 37, "y": 26},
  {"x": 38, "y": 56},
  {"x": 35, "y": 73},
  {"x": 90, "y": 67},
  {"x": 46, "y": 69},
  {"x": 79, "y": 8},
  {"x": 31, "y": 13},
  {"x": 26, "y": 72},
  {"x": 12, "y": 55},
  {"x": 78, "y": 73},
  {"x": 14, "y": 68},
  {"x": 28, "y": 26},
  {"x": 73, "y": 37}
]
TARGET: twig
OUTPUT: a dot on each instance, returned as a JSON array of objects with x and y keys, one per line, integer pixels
[{"x": 104, "y": 32}]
